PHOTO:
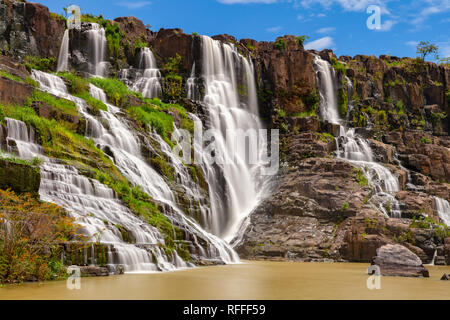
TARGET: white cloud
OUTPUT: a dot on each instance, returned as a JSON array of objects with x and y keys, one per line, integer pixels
[
  {"x": 434, "y": 7},
  {"x": 348, "y": 5},
  {"x": 300, "y": 17},
  {"x": 412, "y": 43},
  {"x": 320, "y": 44},
  {"x": 134, "y": 5},
  {"x": 326, "y": 30},
  {"x": 246, "y": 1},
  {"x": 274, "y": 29},
  {"x": 387, "y": 25}
]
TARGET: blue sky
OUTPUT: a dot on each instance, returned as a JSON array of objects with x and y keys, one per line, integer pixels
[{"x": 336, "y": 24}]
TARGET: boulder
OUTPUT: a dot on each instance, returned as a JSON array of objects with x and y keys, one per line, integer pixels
[
  {"x": 94, "y": 271},
  {"x": 397, "y": 260}
]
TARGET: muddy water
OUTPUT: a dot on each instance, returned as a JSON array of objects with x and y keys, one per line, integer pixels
[{"x": 250, "y": 280}]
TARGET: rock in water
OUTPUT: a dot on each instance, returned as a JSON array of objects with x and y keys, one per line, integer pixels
[{"x": 396, "y": 260}]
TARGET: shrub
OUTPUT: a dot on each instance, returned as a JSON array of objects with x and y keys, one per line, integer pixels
[
  {"x": 301, "y": 40},
  {"x": 37, "y": 63},
  {"x": 28, "y": 246},
  {"x": 280, "y": 44},
  {"x": 425, "y": 140}
]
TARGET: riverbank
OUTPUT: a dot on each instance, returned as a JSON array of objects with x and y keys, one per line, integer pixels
[{"x": 249, "y": 280}]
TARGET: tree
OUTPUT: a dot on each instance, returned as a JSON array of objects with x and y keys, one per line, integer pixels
[{"x": 425, "y": 48}]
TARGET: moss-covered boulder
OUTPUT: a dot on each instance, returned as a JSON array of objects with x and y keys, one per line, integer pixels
[{"x": 19, "y": 177}]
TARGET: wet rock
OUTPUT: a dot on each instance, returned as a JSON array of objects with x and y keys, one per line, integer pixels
[
  {"x": 396, "y": 260},
  {"x": 94, "y": 271}
]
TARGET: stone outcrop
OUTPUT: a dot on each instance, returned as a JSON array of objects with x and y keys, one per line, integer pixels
[
  {"x": 396, "y": 260},
  {"x": 29, "y": 29},
  {"x": 19, "y": 177},
  {"x": 13, "y": 92}
]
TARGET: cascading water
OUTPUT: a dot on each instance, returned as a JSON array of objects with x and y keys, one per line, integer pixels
[
  {"x": 238, "y": 192},
  {"x": 63, "y": 57},
  {"x": 125, "y": 147},
  {"x": 326, "y": 78},
  {"x": 443, "y": 209},
  {"x": 191, "y": 86},
  {"x": 355, "y": 149},
  {"x": 148, "y": 80},
  {"x": 97, "y": 45}
]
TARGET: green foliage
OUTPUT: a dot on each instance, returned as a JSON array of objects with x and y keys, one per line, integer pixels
[
  {"x": 326, "y": 137},
  {"x": 281, "y": 113},
  {"x": 400, "y": 108},
  {"x": 148, "y": 115},
  {"x": 280, "y": 44},
  {"x": 342, "y": 101},
  {"x": 116, "y": 91},
  {"x": 37, "y": 63},
  {"x": 79, "y": 87},
  {"x": 9, "y": 76},
  {"x": 338, "y": 66},
  {"x": 64, "y": 105},
  {"x": 425, "y": 48},
  {"x": 29, "y": 246},
  {"x": 425, "y": 140},
  {"x": 301, "y": 40},
  {"x": 172, "y": 81},
  {"x": 360, "y": 177},
  {"x": 345, "y": 206},
  {"x": 404, "y": 237}
]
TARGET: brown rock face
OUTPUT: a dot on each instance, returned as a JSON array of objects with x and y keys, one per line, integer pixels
[
  {"x": 421, "y": 154},
  {"x": 298, "y": 221},
  {"x": 170, "y": 42},
  {"x": 29, "y": 28},
  {"x": 288, "y": 73},
  {"x": 396, "y": 260},
  {"x": 14, "y": 93}
]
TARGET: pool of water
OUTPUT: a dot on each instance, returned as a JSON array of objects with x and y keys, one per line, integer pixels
[{"x": 249, "y": 280}]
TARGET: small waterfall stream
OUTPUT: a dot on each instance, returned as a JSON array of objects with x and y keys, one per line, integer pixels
[
  {"x": 98, "y": 47},
  {"x": 355, "y": 149},
  {"x": 63, "y": 57},
  {"x": 443, "y": 209},
  {"x": 148, "y": 80}
]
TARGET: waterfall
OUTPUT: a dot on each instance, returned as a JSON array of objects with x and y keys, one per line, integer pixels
[
  {"x": 148, "y": 82},
  {"x": 353, "y": 148},
  {"x": 124, "y": 145},
  {"x": 23, "y": 138},
  {"x": 97, "y": 45},
  {"x": 63, "y": 57},
  {"x": 326, "y": 79},
  {"x": 443, "y": 209},
  {"x": 229, "y": 110},
  {"x": 192, "y": 90}
]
